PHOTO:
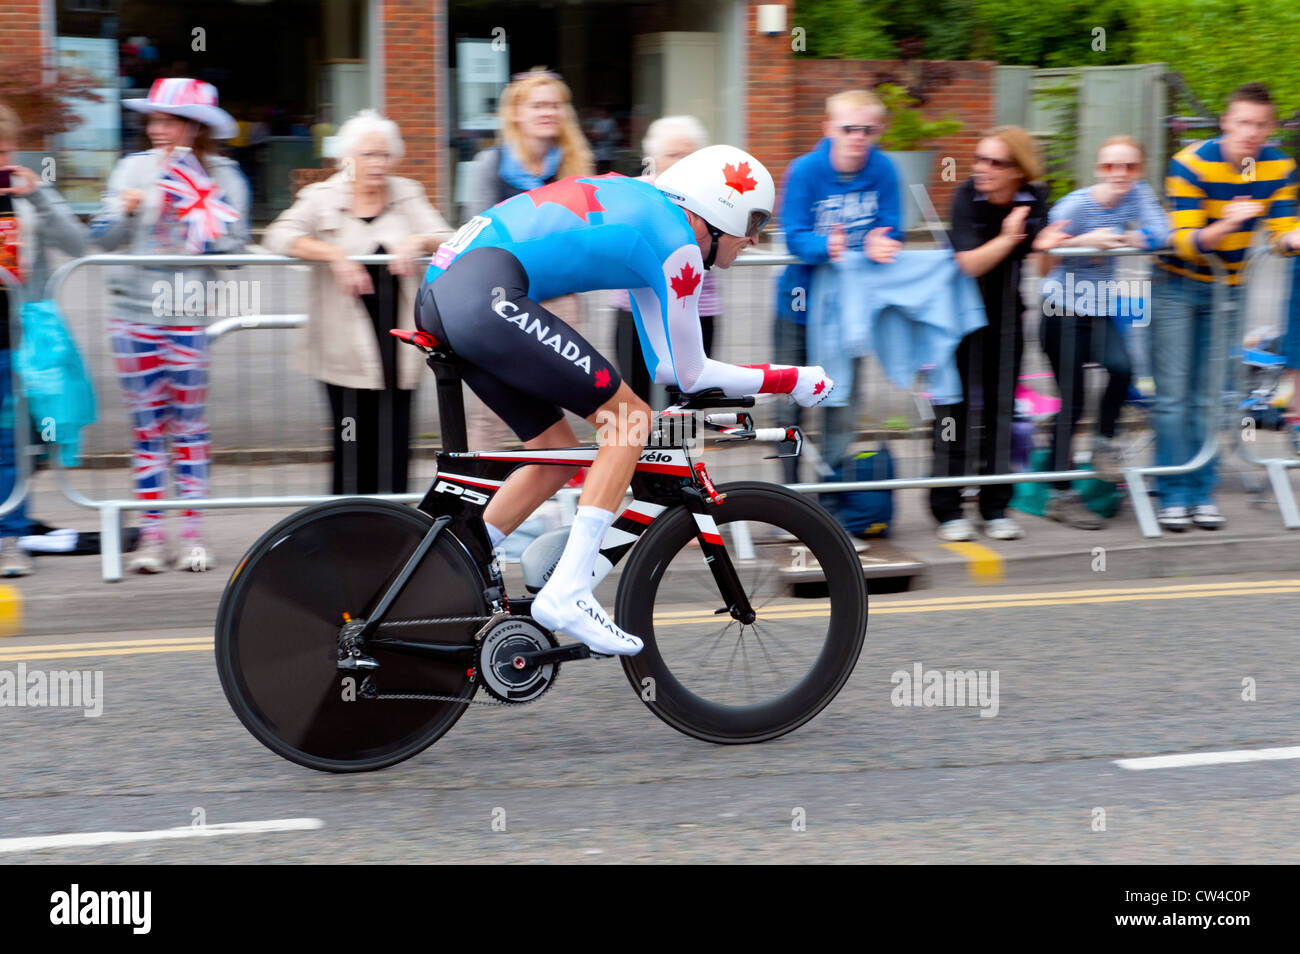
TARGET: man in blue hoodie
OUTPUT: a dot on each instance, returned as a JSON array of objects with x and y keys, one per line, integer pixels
[{"x": 842, "y": 196}]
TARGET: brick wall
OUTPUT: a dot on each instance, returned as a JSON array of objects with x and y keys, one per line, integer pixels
[
  {"x": 770, "y": 100},
  {"x": 415, "y": 54},
  {"x": 20, "y": 31}
]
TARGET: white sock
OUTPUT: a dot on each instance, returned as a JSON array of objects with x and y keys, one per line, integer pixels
[
  {"x": 566, "y": 604},
  {"x": 495, "y": 536},
  {"x": 573, "y": 571}
]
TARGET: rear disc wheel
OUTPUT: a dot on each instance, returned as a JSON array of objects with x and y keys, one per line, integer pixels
[{"x": 278, "y": 627}]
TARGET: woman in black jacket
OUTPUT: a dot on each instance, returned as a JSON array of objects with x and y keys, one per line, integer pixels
[{"x": 996, "y": 215}]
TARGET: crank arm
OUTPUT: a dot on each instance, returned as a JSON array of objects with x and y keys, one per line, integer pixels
[{"x": 557, "y": 654}]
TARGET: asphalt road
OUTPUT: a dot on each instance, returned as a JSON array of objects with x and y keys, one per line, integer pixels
[{"x": 1086, "y": 676}]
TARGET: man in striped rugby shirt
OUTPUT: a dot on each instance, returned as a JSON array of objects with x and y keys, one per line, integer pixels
[{"x": 1219, "y": 190}]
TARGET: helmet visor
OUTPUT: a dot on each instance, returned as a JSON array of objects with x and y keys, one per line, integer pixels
[{"x": 757, "y": 219}]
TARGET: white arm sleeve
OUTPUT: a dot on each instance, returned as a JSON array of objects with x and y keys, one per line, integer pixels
[{"x": 681, "y": 358}]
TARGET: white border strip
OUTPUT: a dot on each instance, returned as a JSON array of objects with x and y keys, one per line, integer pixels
[
  {"x": 1210, "y": 758},
  {"x": 96, "y": 838}
]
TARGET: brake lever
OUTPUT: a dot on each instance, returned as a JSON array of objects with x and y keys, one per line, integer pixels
[{"x": 792, "y": 446}]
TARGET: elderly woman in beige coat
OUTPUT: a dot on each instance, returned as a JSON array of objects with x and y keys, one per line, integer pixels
[{"x": 368, "y": 375}]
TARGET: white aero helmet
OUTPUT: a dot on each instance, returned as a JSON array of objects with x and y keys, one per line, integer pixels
[{"x": 725, "y": 186}]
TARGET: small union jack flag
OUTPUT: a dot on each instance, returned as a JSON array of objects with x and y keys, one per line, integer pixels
[{"x": 199, "y": 202}]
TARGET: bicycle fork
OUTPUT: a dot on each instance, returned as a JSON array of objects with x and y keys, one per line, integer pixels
[{"x": 698, "y": 501}]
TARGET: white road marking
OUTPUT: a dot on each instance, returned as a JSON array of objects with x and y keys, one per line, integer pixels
[
  {"x": 95, "y": 838},
  {"x": 1210, "y": 758}
]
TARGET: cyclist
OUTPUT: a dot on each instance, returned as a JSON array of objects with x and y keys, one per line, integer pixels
[{"x": 480, "y": 299}]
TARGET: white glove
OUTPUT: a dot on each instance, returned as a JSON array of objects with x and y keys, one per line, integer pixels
[{"x": 813, "y": 387}]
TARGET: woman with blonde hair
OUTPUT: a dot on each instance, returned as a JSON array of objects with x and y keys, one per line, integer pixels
[
  {"x": 541, "y": 141},
  {"x": 996, "y": 215}
]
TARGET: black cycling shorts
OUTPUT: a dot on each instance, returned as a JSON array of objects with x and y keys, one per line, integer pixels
[{"x": 524, "y": 362}]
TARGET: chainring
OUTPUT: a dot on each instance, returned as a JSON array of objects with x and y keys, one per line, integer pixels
[{"x": 496, "y": 660}]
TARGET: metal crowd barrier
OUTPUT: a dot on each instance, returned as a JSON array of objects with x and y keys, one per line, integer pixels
[
  {"x": 111, "y": 509},
  {"x": 1275, "y": 467}
]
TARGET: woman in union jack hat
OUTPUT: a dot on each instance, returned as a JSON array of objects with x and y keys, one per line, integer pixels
[{"x": 178, "y": 197}]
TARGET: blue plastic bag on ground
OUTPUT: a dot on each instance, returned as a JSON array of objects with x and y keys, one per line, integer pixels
[{"x": 60, "y": 397}]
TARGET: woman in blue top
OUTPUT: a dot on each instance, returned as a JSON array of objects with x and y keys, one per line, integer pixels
[{"x": 1081, "y": 301}]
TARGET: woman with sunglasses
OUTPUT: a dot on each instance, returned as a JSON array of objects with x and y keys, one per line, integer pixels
[
  {"x": 1081, "y": 305},
  {"x": 996, "y": 215}
]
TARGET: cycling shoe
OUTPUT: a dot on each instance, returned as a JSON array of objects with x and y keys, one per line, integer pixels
[{"x": 580, "y": 616}]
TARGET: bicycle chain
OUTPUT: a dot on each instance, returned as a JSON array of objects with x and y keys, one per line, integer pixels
[
  {"x": 488, "y": 622},
  {"x": 436, "y": 619}
]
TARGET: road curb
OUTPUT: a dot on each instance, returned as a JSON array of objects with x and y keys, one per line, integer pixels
[
  {"x": 185, "y": 600},
  {"x": 1205, "y": 556}
]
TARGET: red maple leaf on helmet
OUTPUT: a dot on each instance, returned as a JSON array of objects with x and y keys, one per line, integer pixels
[
  {"x": 685, "y": 282},
  {"x": 737, "y": 177},
  {"x": 602, "y": 378},
  {"x": 819, "y": 387}
]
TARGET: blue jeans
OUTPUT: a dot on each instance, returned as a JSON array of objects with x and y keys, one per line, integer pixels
[
  {"x": 15, "y": 523},
  {"x": 1182, "y": 324}
]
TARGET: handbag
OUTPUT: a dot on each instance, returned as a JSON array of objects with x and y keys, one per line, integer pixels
[{"x": 60, "y": 396}]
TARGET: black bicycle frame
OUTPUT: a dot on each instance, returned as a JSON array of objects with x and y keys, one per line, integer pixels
[{"x": 466, "y": 482}]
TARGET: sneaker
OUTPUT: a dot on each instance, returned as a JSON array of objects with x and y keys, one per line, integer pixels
[
  {"x": 1207, "y": 517},
  {"x": 1003, "y": 528},
  {"x": 1174, "y": 518},
  {"x": 1067, "y": 507},
  {"x": 13, "y": 558},
  {"x": 151, "y": 557},
  {"x": 194, "y": 556},
  {"x": 1107, "y": 461},
  {"x": 957, "y": 531}
]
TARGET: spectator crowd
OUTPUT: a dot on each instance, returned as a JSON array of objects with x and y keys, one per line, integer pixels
[{"x": 958, "y": 315}]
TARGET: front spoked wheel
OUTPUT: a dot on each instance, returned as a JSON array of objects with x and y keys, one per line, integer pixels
[{"x": 710, "y": 675}]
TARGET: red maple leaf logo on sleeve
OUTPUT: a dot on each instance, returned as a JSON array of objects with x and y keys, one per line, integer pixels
[
  {"x": 737, "y": 177},
  {"x": 685, "y": 282},
  {"x": 819, "y": 387},
  {"x": 602, "y": 378}
]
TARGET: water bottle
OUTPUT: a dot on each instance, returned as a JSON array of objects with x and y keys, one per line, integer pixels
[{"x": 540, "y": 557}]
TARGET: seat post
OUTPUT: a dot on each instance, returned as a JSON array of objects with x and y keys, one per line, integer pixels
[{"x": 451, "y": 403}]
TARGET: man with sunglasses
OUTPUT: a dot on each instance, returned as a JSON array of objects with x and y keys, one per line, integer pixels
[
  {"x": 842, "y": 196},
  {"x": 480, "y": 299}
]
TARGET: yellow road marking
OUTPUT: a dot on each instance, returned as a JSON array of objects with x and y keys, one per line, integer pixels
[
  {"x": 783, "y": 611},
  {"x": 11, "y": 611},
  {"x": 792, "y": 612},
  {"x": 168, "y": 641},
  {"x": 80, "y": 653},
  {"x": 1203, "y": 589},
  {"x": 984, "y": 564}
]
